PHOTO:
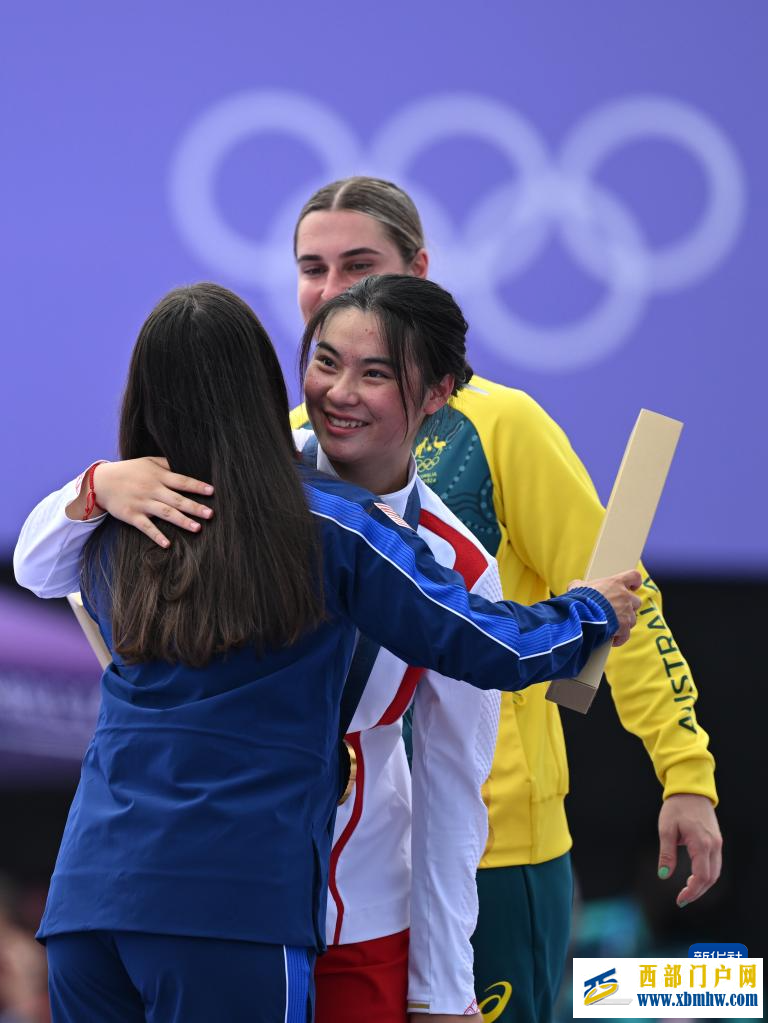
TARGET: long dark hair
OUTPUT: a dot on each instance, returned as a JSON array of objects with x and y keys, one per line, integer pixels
[
  {"x": 421, "y": 323},
  {"x": 206, "y": 391}
]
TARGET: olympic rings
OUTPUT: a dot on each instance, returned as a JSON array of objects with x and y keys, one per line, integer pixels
[
  {"x": 505, "y": 230},
  {"x": 205, "y": 147}
]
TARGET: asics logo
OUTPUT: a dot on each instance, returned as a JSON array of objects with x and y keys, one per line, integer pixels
[{"x": 494, "y": 1005}]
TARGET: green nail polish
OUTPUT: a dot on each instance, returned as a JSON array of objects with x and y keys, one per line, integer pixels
[
  {"x": 663, "y": 873},
  {"x": 682, "y": 905}
]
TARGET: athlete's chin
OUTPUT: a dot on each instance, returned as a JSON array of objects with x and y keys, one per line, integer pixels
[{"x": 345, "y": 462}]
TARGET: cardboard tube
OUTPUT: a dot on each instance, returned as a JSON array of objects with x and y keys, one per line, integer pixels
[
  {"x": 91, "y": 630},
  {"x": 619, "y": 545}
]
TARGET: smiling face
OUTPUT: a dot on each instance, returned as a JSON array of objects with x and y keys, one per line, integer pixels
[
  {"x": 337, "y": 248},
  {"x": 354, "y": 403}
]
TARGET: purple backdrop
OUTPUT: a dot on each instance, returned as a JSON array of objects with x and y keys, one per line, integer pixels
[
  {"x": 590, "y": 180},
  {"x": 590, "y": 176}
]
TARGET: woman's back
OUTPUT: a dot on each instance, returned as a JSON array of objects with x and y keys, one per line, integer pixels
[
  {"x": 206, "y": 793},
  {"x": 207, "y": 796}
]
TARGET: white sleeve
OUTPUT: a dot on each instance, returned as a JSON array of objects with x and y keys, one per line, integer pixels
[
  {"x": 47, "y": 555},
  {"x": 454, "y": 737}
]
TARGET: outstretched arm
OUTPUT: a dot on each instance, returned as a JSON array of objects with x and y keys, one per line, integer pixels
[
  {"x": 47, "y": 555},
  {"x": 433, "y": 622}
]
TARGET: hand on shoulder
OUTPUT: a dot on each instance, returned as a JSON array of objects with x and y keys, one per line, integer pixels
[{"x": 138, "y": 490}]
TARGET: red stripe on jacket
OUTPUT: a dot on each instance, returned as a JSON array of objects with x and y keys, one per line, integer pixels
[
  {"x": 470, "y": 563},
  {"x": 353, "y": 738}
]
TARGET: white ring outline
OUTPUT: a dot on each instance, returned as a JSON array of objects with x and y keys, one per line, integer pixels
[
  {"x": 203, "y": 149},
  {"x": 593, "y": 139},
  {"x": 561, "y": 190}
]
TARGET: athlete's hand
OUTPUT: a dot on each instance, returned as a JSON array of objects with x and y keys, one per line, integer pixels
[
  {"x": 137, "y": 490},
  {"x": 690, "y": 820},
  {"x": 618, "y": 590}
]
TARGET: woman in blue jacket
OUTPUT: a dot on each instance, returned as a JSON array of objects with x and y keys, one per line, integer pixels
[{"x": 190, "y": 884}]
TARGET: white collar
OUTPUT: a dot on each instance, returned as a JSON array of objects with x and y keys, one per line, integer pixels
[{"x": 396, "y": 500}]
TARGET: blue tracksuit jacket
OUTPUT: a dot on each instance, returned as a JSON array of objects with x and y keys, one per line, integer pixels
[{"x": 207, "y": 795}]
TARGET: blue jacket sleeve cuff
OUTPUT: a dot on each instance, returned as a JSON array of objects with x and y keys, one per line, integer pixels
[{"x": 603, "y": 603}]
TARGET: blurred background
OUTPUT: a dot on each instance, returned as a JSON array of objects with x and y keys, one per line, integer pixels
[{"x": 592, "y": 181}]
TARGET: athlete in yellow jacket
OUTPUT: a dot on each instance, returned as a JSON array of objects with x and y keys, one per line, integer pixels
[
  {"x": 509, "y": 472},
  {"x": 507, "y": 469}
]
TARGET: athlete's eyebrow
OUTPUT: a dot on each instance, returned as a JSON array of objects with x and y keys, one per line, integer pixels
[
  {"x": 380, "y": 359},
  {"x": 327, "y": 348},
  {"x": 362, "y": 251}
]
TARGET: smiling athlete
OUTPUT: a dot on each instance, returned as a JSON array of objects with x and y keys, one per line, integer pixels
[{"x": 387, "y": 354}]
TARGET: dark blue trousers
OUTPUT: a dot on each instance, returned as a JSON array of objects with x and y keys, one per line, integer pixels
[{"x": 124, "y": 977}]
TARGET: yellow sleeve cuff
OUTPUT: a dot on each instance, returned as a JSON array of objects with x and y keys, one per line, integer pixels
[{"x": 695, "y": 776}]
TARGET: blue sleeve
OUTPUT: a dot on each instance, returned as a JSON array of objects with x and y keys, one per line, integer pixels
[{"x": 383, "y": 577}]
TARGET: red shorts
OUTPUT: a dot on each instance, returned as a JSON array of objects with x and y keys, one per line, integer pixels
[{"x": 367, "y": 980}]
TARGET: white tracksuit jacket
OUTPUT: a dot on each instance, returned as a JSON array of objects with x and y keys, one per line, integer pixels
[{"x": 406, "y": 848}]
